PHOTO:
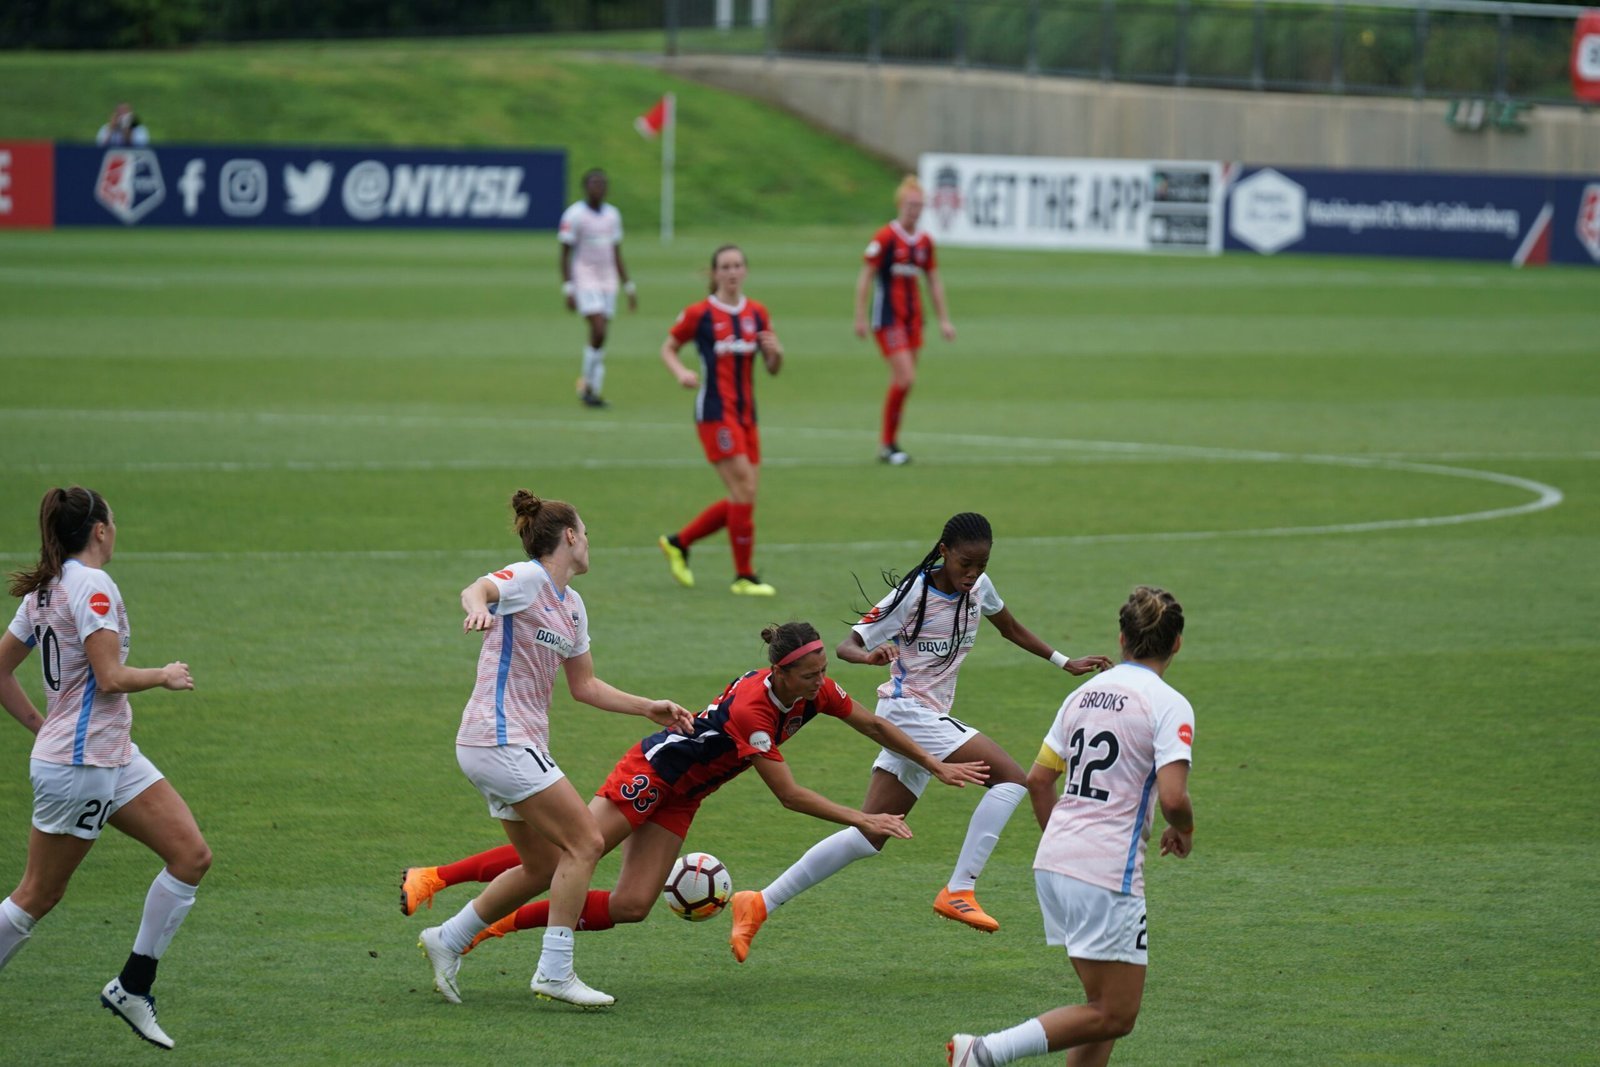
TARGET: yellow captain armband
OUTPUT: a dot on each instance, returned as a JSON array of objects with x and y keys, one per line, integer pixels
[{"x": 1047, "y": 758}]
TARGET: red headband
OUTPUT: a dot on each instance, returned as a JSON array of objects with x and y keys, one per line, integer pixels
[{"x": 803, "y": 650}]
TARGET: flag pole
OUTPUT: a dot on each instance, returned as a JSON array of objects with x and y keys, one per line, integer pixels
[{"x": 669, "y": 135}]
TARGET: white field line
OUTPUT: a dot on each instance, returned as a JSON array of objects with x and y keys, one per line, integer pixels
[{"x": 1544, "y": 496}]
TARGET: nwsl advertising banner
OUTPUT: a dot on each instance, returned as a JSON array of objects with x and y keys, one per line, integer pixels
[
  {"x": 1513, "y": 218},
  {"x": 1108, "y": 205},
  {"x": 251, "y": 185}
]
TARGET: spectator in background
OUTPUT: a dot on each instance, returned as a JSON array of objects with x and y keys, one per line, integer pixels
[{"x": 122, "y": 128}]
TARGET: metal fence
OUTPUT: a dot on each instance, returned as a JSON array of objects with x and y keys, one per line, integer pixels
[{"x": 1464, "y": 49}]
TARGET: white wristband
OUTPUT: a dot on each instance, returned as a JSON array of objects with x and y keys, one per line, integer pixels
[
  {"x": 629, "y": 288},
  {"x": 567, "y": 288},
  {"x": 1058, "y": 659}
]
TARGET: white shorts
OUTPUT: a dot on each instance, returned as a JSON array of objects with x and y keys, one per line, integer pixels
[
  {"x": 1091, "y": 921},
  {"x": 507, "y": 775},
  {"x": 596, "y": 302},
  {"x": 78, "y": 800},
  {"x": 939, "y": 735}
]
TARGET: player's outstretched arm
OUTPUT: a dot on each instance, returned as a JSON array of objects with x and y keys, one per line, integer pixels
[
  {"x": 891, "y": 737},
  {"x": 475, "y": 601},
  {"x": 1028, "y": 641},
  {"x": 587, "y": 689},
  {"x": 796, "y": 797},
  {"x": 12, "y": 696}
]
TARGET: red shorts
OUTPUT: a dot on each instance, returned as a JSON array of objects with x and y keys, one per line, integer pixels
[
  {"x": 899, "y": 337},
  {"x": 723, "y": 439},
  {"x": 642, "y": 797}
]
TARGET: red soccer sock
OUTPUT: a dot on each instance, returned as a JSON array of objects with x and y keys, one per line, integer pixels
[
  {"x": 704, "y": 524},
  {"x": 742, "y": 536},
  {"x": 892, "y": 406},
  {"x": 596, "y": 912},
  {"x": 480, "y": 868}
]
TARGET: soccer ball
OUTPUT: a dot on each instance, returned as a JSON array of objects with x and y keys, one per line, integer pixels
[{"x": 698, "y": 886}]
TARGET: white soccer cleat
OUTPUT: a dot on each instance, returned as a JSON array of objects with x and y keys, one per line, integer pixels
[
  {"x": 572, "y": 990},
  {"x": 446, "y": 962},
  {"x": 962, "y": 1051},
  {"x": 137, "y": 1010}
]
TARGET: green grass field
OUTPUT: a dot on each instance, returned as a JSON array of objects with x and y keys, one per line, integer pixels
[{"x": 1373, "y": 486}]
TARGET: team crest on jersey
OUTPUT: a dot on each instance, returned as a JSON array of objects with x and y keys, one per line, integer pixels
[
  {"x": 946, "y": 196},
  {"x": 748, "y": 323},
  {"x": 130, "y": 185},
  {"x": 791, "y": 724}
]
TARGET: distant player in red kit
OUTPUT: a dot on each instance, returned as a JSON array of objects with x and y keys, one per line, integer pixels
[
  {"x": 897, "y": 254},
  {"x": 728, "y": 329}
]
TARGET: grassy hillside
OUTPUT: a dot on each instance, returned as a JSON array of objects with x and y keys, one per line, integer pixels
[{"x": 738, "y": 161}]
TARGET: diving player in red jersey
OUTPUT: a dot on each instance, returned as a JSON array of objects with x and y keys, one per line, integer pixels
[
  {"x": 897, "y": 253},
  {"x": 728, "y": 329},
  {"x": 650, "y": 798}
]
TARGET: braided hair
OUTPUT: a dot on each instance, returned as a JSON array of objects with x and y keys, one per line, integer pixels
[{"x": 964, "y": 529}]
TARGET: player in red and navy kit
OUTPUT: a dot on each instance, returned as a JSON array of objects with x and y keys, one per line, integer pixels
[
  {"x": 896, "y": 255},
  {"x": 86, "y": 770},
  {"x": 1123, "y": 740},
  {"x": 728, "y": 330},
  {"x": 650, "y": 798}
]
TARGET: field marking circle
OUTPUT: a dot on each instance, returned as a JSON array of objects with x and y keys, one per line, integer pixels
[{"x": 1043, "y": 450}]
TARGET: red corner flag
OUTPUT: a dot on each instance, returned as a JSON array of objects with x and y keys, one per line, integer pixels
[
  {"x": 1585, "y": 57},
  {"x": 650, "y": 123}
]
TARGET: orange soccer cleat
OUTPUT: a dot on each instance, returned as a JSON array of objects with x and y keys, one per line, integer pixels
[
  {"x": 963, "y": 907},
  {"x": 749, "y": 912},
  {"x": 417, "y": 887},
  {"x": 506, "y": 924}
]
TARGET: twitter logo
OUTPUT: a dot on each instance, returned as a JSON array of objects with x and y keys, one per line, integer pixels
[{"x": 307, "y": 189}]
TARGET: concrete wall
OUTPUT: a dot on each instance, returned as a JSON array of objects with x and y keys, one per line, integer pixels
[{"x": 902, "y": 111}]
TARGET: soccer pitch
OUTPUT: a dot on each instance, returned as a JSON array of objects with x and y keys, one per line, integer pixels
[{"x": 1373, "y": 485}]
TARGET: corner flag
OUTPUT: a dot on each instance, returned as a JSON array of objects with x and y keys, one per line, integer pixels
[{"x": 663, "y": 119}]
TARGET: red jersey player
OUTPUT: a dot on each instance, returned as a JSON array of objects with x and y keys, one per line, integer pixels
[
  {"x": 897, "y": 254},
  {"x": 651, "y": 796},
  {"x": 728, "y": 329}
]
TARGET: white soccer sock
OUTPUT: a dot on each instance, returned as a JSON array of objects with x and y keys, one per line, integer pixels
[
  {"x": 165, "y": 906},
  {"x": 555, "y": 961},
  {"x": 1024, "y": 1039},
  {"x": 459, "y": 930},
  {"x": 825, "y": 858},
  {"x": 983, "y": 833},
  {"x": 14, "y": 931},
  {"x": 594, "y": 368}
]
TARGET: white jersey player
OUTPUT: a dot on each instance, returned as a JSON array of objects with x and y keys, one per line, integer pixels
[
  {"x": 591, "y": 272},
  {"x": 1123, "y": 742},
  {"x": 922, "y": 631},
  {"x": 87, "y": 773},
  {"x": 534, "y": 624}
]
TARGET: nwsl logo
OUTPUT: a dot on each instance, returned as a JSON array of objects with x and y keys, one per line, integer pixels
[{"x": 130, "y": 185}]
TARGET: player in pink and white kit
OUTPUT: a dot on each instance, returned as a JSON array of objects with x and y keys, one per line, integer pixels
[
  {"x": 591, "y": 270},
  {"x": 86, "y": 770},
  {"x": 922, "y": 631},
  {"x": 534, "y": 624},
  {"x": 1120, "y": 739}
]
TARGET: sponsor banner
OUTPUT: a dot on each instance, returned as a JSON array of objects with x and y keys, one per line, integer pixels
[
  {"x": 1515, "y": 218},
  {"x": 250, "y": 185},
  {"x": 26, "y": 186},
  {"x": 1115, "y": 205}
]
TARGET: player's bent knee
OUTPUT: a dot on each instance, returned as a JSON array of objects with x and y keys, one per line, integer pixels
[
  {"x": 624, "y": 910},
  {"x": 193, "y": 865}
]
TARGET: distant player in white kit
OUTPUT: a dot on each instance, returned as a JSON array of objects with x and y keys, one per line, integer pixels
[
  {"x": 591, "y": 271},
  {"x": 534, "y": 625},
  {"x": 1120, "y": 739},
  {"x": 85, "y": 768}
]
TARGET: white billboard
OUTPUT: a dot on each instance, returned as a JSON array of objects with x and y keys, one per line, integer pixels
[{"x": 1107, "y": 205}]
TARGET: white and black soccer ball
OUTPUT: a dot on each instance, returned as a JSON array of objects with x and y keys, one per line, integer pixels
[{"x": 698, "y": 886}]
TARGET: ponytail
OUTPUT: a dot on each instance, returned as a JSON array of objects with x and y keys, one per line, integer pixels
[{"x": 66, "y": 519}]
